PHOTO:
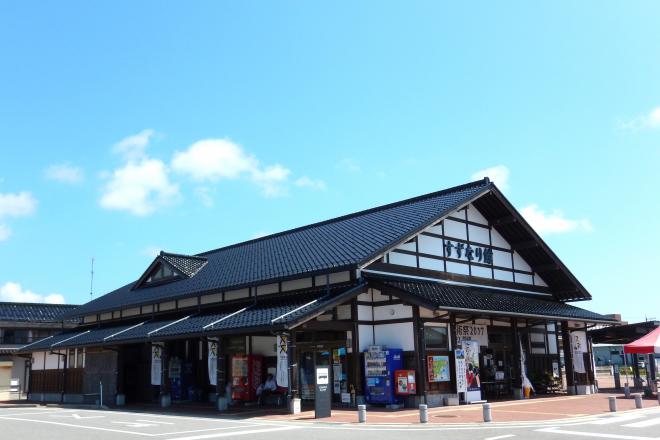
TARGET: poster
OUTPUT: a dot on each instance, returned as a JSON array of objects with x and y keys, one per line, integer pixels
[
  {"x": 472, "y": 332},
  {"x": 213, "y": 361},
  {"x": 471, "y": 349},
  {"x": 282, "y": 376},
  {"x": 156, "y": 362},
  {"x": 461, "y": 380},
  {"x": 438, "y": 368}
]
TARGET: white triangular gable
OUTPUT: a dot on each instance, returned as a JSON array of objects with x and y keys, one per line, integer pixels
[{"x": 465, "y": 230}]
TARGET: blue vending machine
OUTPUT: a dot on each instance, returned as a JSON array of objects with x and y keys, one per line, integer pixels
[{"x": 379, "y": 367}]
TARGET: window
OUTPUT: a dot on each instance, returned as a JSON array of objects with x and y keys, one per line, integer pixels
[
  {"x": 436, "y": 337},
  {"x": 161, "y": 272},
  {"x": 80, "y": 357}
]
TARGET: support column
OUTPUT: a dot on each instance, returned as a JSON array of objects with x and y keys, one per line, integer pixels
[
  {"x": 357, "y": 379},
  {"x": 516, "y": 372},
  {"x": 418, "y": 329},
  {"x": 571, "y": 385},
  {"x": 165, "y": 396},
  {"x": 120, "y": 400},
  {"x": 291, "y": 354},
  {"x": 222, "y": 399}
]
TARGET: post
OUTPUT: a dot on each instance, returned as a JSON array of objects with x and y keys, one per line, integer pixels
[
  {"x": 165, "y": 397},
  {"x": 638, "y": 401},
  {"x": 571, "y": 384},
  {"x": 362, "y": 413},
  {"x": 626, "y": 390},
  {"x": 294, "y": 399},
  {"x": 612, "y": 400},
  {"x": 100, "y": 394},
  {"x": 516, "y": 375},
  {"x": 120, "y": 398},
  {"x": 487, "y": 414},
  {"x": 423, "y": 413}
]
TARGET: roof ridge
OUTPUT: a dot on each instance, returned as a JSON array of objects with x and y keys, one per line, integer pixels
[
  {"x": 173, "y": 254},
  {"x": 485, "y": 182},
  {"x": 37, "y": 304}
]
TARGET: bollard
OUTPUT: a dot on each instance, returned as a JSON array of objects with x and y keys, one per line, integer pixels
[
  {"x": 638, "y": 401},
  {"x": 612, "y": 403},
  {"x": 658, "y": 397},
  {"x": 362, "y": 413},
  {"x": 626, "y": 391},
  {"x": 423, "y": 413},
  {"x": 487, "y": 415}
]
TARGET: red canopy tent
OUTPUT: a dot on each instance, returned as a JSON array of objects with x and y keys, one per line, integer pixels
[{"x": 647, "y": 344}]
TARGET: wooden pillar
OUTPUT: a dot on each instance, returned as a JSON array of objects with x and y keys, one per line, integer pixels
[
  {"x": 356, "y": 367},
  {"x": 164, "y": 372},
  {"x": 419, "y": 346},
  {"x": 292, "y": 355},
  {"x": 568, "y": 355},
  {"x": 516, "y": 373}
]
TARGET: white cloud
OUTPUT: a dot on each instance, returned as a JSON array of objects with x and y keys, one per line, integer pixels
[
  {"x": 133, "y": 147},
  {"x": 14, "y": 292},
  {"x": 349, "y": 164},
  {"x": 554, "y": 222},
  {"x": 498, "y": 174},
  {"x": 5, "y": 232},
  {"x": 216, "y": 159},
  {"x": 203, "y": 193},
  {"x": 139, "y": 187},
  {"x": 17, "y": 205},
  {"x": 648, "y": 120},
  {"x": 64, "y": 173},
  {"x": 308, "y": 182}
]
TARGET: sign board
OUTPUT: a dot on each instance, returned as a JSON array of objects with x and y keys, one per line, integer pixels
[
  {"x": 472, "y": 378},
  {"x": 461, "y": 380},
  {"x": 156, "y": 362},
  {"x": 472, "y": 332},
  {"x": 282, "y": 376},
  {"x": 213, "y": 360},
  {"x": 438, "y": 368},
  {"x": 323, "y": 394},
  {"x": 578, "y": 347}
]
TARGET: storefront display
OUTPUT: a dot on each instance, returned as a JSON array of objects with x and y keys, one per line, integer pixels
[
  {"x": 406, "y": 384},
  {"x": 438, "y": 368},
  {"x": 246, "y": 372},
  {"x": 379, "y": 366}
]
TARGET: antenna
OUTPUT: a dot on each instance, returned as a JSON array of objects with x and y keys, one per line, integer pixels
[{"x": 91, "y": 281}]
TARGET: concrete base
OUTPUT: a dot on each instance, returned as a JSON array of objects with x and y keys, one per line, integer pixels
[
  {"x": 74, "y": 398},
  {"x": 451, "y": 401},
  {"x": 360, "y": 400},
  {"x": 294, "y": 406},
  {"x": 213, "y": 397},
  {"x": 518, "y": 394},
  {"x": 165, "y": 400},
  {"x": 222, "y": 403},
  {"x": 394, "y": 406},
  {"x": 120, "y": 400},
  {"x": 580, "y": 390}
]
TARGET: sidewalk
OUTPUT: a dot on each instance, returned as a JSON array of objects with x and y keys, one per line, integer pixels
[{"x": 536, "y": 409}]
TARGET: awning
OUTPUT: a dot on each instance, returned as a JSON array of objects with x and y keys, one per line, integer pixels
[
  {"x": 477, "y": 300},
  {"x": 648, "y": 344},
  {"x": 279, "y": 313}
]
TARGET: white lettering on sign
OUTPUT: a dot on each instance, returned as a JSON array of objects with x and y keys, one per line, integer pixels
[
  {"x": 472, "y": 332},
  {"x": 322, "y": 376}
]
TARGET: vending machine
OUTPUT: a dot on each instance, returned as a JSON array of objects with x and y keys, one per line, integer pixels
[
  {"x": 405, "y": 382},
  {"x": 379, "y": 367},
  {"x": 246, "y": 376}
]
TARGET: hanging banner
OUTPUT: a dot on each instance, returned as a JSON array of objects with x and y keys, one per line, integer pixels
[
  {"x": 471, "y": 349},
  {"x": 213, "y": 361},
  {"x": 461, "y": 379},
  {"x": 578, "y": 347},
  {"x": 156, "y": 362},
  {"x": 282, "y": 376},
  {"x": 472, "y": 332}
]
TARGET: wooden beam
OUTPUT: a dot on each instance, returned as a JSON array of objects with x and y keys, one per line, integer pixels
[
  {"x": 529, "y": 244},
  {"x": 546, "y": 267},
  {"x": 504, "y": 220}
]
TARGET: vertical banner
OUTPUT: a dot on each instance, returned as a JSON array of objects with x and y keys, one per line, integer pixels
[
  {"x": 578, "y": 346},
  {"x": 156, "y": 362},
  {"x": 461, "y": 379},
  {"x": 282, "y": 377},
  {"x": 213, "y": 361},
  {"x": 471, "y": 349}
]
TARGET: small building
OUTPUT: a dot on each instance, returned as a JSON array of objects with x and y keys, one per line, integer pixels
[
  {"x": 453, "y": 287},
  {"x": 21, "y": 324}
]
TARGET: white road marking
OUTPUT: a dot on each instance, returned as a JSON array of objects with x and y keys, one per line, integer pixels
[
  {"x": 236, "y": 433},
  {"x": 76, "y": 416},
  {"x": 593, "y": 434},
  {"x": 643, "y": 423},
  {"x": 617, "y": 419},
  {"x": 158, "y": 422},
  {"x": 500, "y": 436},
  {"x": 48, "y": 422},
  {"x": 135, "y": 424}
]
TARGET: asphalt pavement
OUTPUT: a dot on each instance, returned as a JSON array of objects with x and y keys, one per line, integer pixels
[{"x": 72, "y": 424}]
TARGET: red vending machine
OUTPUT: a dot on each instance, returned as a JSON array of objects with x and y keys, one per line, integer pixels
[
  {"x": 246, "y": 376},
  {"x": 404, "y": 380}
]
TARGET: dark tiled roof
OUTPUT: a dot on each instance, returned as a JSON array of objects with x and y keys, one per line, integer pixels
[
  {"x": 186, "y": 264},
  {"x": 33, "y": 312},
  {"x": 343, "y": 242},
  {"x": 488, "y": 301},
  {"x": 278, "y": 313}
]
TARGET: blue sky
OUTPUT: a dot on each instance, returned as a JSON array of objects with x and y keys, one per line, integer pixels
[{"x": 127, "y": 127}]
